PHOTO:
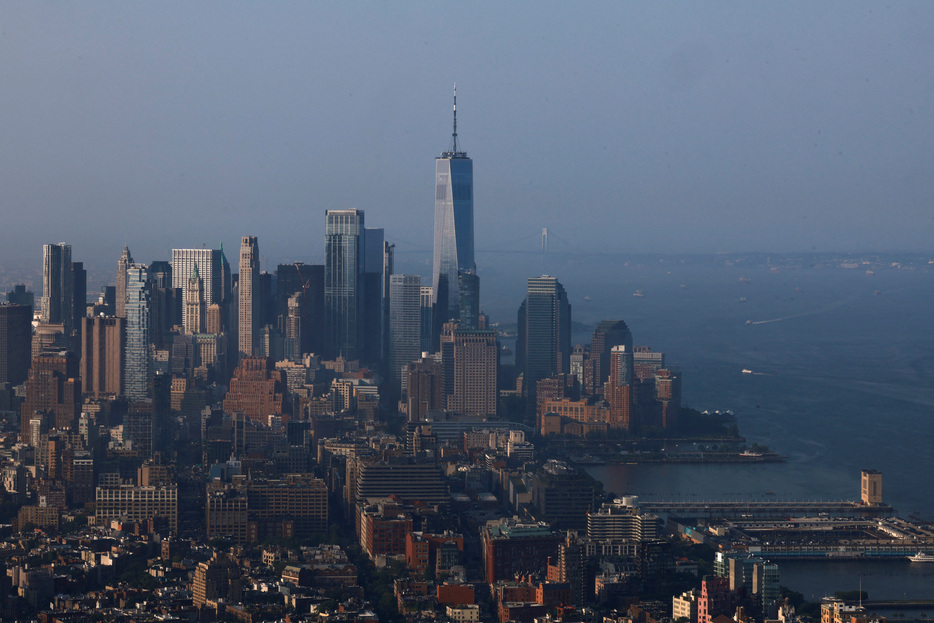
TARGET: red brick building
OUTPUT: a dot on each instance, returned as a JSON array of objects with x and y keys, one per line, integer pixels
[{"x": 256, "y": 390}]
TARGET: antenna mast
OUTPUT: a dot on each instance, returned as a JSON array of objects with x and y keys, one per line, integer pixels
[{"x": 455, "y": 119}]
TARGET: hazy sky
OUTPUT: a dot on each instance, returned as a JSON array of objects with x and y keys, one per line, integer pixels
[{"x": 646, "y": 127}]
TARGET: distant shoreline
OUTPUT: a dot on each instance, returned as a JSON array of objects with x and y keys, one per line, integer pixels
[{"x": 700, "y": 457}]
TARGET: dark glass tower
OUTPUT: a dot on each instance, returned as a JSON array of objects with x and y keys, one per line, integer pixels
[
  {"x": 405, "y": 323},
  {"x": 543, "y": 347},
  {"x": 15, "y": 342},
  {"x": 342, "y": 260},
  {"x": 454, "y": 244}
]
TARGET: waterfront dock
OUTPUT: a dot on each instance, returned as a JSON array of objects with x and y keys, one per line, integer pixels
[{"x": 752, "y": 509}]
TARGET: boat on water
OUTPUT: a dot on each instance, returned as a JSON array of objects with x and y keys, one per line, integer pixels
[
  {"x": 638, "y": 293},
  {"x": 747, "y": 371},
  {"x": 922, "y": 557}
]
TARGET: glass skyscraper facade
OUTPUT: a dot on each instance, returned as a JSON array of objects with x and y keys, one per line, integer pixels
[
  {"x": 405, "y": 322},
  {"x": 137, "y": 361},
  {"x": 343, "y": 255},
  {"x": 453, "y": 243},
  {"x": 543, "y": 347}
]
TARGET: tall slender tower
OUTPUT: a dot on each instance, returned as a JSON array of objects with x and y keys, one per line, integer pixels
[
  {"x": 79, "y": 295},
  {"x": 138, "y": 365},
  {"x": 102, "y": 365},
  {"x": 618, "y": 390},
  {"x": 543, "y": 347},
  {"x": 405, "y": 324},
  {"x": 58, "y": 289},
  {"x": 122, "y": 264},
  {"x": 343, "y": 258},
  {"x": 195, "y": 309},
  {"x": 454, "y": 244},
  {"x": 249, "y": 281}
]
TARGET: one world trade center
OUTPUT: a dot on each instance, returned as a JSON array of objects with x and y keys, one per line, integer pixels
[{"x": 453, "y": 248}]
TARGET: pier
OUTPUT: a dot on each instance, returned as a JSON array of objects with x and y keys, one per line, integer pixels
[{"x": 766, "y": 509}]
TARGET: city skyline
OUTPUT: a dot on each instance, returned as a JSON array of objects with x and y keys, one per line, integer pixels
[
  {"x": 713, "y": 129},
  {"x": 600, "y": 391}
]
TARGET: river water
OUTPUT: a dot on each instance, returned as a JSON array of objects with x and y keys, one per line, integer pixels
[{"x": 843, "y": 379}]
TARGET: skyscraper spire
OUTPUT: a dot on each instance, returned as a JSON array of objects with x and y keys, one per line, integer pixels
[
  {"x": 454, "y": 151},
  {"x": 454, "y": 135},
  {"x": 120, "y": 292},
  {"x": 453, "y": 243}
]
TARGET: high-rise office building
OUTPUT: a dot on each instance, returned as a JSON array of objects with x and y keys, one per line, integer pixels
[
  {"x": 293, "y": 329},
  {"x": 646, "y": 362},
  {"x": 427, "y": 307},
  {"x": 667, "y": 397},
  {"x": 476, "y": 361},
  {"x": 404, "y": 323},
  {"x": 209, "y": 262},
  {"x": 79, "y": 278},
  {"x": 389, "y": 255},
  {"x": 165, "y": 303},
  {"x": 50, "y": 338},
  {"x": 19, "y": 295},
  {"x": 374, "y": 294},
  {"x": 58, "y": 286},
  {"x": 424, "y": 389},
  {"x": 52, "y": 390},
  {"x": 15, "y": 342},
  {"x": 195, "y": 309},
  {"x": 214, "y": 319},
  {"x": 307, "y": 280},
  {"x": 342, "y": 289},
  {"x": 618, "y": 391},
  {"x": 264, "y": 301},
  {"x": 256, "y": 390},
  {"x": 290, "y": 278},
  {"x": 609, "y": 333},
  {"x": 468, "y": 286},
  {"x": 454, "y": 239},
  {"x": 138, "y": 365},
  {"x": 543, "y": 346},
  {"x": 122, "y": 264},
  {"x": 249, "y": 310},
  {"x": 102, "y": 363},
  {"x": 226, "y": 279}
]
